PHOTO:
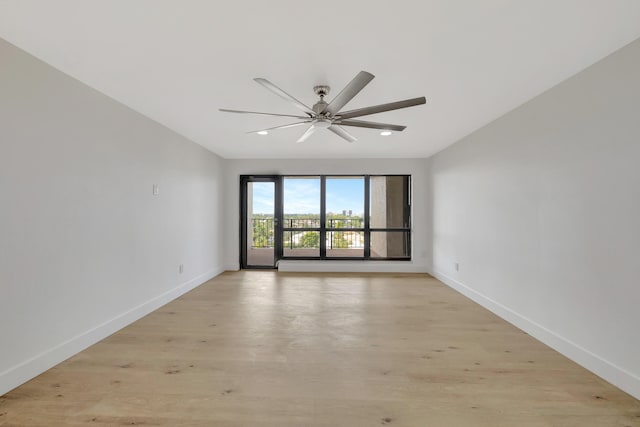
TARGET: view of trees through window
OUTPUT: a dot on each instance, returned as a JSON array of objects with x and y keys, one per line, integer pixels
[
  {"x": 326, "y": 217},
  {"x": 301, "y": 216}
]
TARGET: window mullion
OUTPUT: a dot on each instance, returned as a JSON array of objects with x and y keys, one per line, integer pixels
[
  {"x": 367, "y": 230},
  {"x": 323, "y": 217}
]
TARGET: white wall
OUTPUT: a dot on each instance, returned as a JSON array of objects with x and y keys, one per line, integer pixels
[
  {"x": 415, "y": 167},
  {"x": 85, "y": 248},
  {"x": 541, "y": 209}
]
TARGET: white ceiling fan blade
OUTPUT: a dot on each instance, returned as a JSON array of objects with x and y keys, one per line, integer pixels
[
  {"x": 307, "y": 134},
  {"x": 342, "y": 133},
  {"x": 382, "y": 108},
  {"x": 281, "y": 127},
  {"x": 356, "y": 85},
  {"x": 284, "y": 95},
  {"x": 225, "y": 110},
  {"x": 370, "y": 125}
]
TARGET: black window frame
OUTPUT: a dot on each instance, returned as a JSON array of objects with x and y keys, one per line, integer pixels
[{"x": 366, "y": 229}]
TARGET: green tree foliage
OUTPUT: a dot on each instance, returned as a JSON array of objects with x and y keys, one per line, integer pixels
[
  {"x": 310, "y": 240},
  {"x": 262, "y": 232},
  {"x": 338, "y": 240},
  {"x": 263, "y": 229}
]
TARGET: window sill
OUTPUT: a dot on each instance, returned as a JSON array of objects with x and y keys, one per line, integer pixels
[{"x": 352, "y": 266}]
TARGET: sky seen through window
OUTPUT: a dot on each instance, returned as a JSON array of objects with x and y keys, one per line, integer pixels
[{"x": 302, "y": 196}]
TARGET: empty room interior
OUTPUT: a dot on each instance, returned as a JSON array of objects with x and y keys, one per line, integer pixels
[{"x": 361, "y": 213}]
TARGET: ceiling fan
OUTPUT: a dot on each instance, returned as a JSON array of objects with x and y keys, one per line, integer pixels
[{"x": 325, "y": 115}]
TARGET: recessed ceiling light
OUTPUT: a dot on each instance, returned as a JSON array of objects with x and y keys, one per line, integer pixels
[
  {"x": 263, "y": 132},
  {"x": 385, "y": 133}
]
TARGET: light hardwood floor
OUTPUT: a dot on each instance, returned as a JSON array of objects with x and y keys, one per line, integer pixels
[{"x": 260, "y": 348}]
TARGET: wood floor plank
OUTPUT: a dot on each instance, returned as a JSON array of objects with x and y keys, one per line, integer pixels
[{"x": 261, "y": 348}]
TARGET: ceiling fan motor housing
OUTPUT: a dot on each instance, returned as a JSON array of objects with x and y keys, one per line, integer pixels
[{"x": 321, "y": 123}]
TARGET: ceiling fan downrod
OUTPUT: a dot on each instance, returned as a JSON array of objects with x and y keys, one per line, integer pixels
[{"x": 322, "y": 91}]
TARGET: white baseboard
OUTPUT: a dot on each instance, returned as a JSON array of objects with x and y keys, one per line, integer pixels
[
  {"x": 23, "y": 372},
  {"x": 232, "y": 267},
  {"x": 324, "y": 266},
  {"x": 617, "y": 376}
]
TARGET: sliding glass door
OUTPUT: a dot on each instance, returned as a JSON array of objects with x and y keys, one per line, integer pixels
[{"x": 259, "y": 226}]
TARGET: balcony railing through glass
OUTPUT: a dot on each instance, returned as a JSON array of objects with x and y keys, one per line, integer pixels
[{"x": 263, "y": 233}]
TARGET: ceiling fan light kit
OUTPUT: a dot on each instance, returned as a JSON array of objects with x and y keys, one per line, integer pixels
[{"x": 323, "y": 115}]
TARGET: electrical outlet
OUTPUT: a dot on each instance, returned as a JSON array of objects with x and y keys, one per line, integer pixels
[
  {"x": 457, "y": 266},
  {"x": 181, "y": 269}
]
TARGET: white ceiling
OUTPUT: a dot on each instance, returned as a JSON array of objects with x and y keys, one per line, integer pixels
[{"x": 177, "y": 62}]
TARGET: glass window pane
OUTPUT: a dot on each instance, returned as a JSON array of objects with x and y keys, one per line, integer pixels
[
  {"x": 301, "y": 243},
  {"x": 345, "y": 202},
  {"x": 301, "y": 200},
  {"x": 388, "y": 202},
  {"x": 389, "y": 208},
  {"x": 390, "y": 244},
  {"x": 260, "y": 231},
  {"x": 345, "y": 244}
]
